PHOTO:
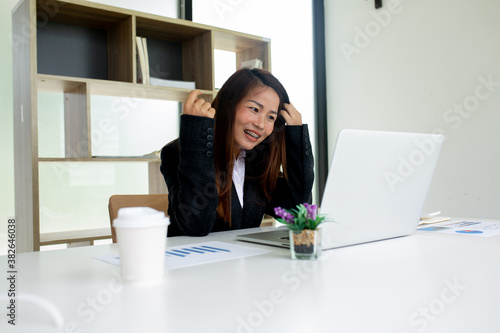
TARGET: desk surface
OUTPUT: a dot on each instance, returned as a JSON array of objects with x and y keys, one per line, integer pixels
[{"x": 426, "y": 282}]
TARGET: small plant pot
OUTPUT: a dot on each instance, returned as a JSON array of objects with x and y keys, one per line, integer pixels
[{"x": 305, "y": 244}]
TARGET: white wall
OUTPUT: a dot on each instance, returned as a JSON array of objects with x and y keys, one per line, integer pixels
[{"x": 421, "y": 66}]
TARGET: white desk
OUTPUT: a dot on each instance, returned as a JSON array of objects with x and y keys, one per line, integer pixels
[{"x": 426, "y": 282}]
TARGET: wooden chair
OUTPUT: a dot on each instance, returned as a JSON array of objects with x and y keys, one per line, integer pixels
[
  {"x": 117, "y": 201},
  {"x": 267, "y": 221}
]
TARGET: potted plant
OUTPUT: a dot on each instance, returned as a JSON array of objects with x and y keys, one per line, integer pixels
[{"x": 303, "y": 222}]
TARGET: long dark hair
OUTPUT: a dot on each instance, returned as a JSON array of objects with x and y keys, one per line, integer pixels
[{"x": 234, "y": 90}]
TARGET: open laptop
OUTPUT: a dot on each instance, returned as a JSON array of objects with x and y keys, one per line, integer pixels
[{"x": 376, "y": 188}]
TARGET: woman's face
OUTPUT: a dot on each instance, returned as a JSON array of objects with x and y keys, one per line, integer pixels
[{"x": 255, "y": 117}]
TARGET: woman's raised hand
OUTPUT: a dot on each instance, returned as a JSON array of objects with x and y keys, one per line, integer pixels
[
  {"x": 291, "y": 115},
  {"x": 195, "y": 106}
]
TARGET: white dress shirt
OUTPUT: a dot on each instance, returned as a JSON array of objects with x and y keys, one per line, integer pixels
[{"x": 239, "y": 175}]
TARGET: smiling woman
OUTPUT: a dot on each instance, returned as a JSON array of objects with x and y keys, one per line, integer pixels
[{"x": 224, "y": 171}]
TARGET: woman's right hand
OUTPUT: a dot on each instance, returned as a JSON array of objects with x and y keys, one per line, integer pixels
[{"x": 195, "y": 106}]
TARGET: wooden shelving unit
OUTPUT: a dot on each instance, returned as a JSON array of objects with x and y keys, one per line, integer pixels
[{"x": 81, "y": 49}]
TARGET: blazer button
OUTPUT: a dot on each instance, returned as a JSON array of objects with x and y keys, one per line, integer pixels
[
  {"x": 308, "y": 153},
  {"x": 210, "y": 130},
  {"x": 210, "y": 137},
  {"x": 210, "y": 144},
  {"x": 209, "y": 154}
]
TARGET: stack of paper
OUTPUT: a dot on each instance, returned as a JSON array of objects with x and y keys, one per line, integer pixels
[
  {"x": 172, "y": 83},
  {"x": 253, "y": 63}
]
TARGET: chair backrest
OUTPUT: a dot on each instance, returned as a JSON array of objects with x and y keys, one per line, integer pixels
[{"x": 117, "y": 201}]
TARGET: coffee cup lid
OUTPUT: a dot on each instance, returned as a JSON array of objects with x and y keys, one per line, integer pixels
[{"x": 140, "y": 217}]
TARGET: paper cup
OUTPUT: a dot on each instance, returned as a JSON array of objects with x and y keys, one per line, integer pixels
[{"x": 141, "y": 234}]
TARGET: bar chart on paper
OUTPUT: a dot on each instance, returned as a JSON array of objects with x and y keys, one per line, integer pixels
[
  {"x": 201, "y": 249},
  {"x": 197, "y": 254}
]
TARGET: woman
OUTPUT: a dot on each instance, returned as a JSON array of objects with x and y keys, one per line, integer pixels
[{"x": 235, "y": 159}]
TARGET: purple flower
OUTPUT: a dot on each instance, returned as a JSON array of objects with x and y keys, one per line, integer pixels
[
  {"x": 311, "y": 211},
  {"x": 284, "y": 214}
]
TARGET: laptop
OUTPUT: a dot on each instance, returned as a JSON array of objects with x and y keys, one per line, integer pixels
[{"x": 376, "y": 188}]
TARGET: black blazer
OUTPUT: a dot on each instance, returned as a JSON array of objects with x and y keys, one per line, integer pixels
[{"x": 187, "y": 165}]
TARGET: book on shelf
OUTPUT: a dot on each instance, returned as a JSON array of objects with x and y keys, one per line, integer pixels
[
  {"x": 141, "y": 61},
  {"x": 146, "y": 59},
  {"x": 252, "y": 63}
]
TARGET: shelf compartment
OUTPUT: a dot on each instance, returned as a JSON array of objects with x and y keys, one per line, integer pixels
[
  {"x": 132, "y": 126},
  {"x": 246, "y": 47},
  {"x": 191, "y": 48},
  {"x": 82, "y": 41},
  {"x": 76, "y": 114},
  {"x": 74, "y": 194}
]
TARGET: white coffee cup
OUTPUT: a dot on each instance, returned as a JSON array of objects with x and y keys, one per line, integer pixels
[{"x": 141, "y": 234}]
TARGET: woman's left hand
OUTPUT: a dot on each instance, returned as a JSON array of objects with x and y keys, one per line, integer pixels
[{"x": 291, "y": 115}]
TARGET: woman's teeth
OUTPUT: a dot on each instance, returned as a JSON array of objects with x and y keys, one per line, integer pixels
[{"x": 252, "y": 134}]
